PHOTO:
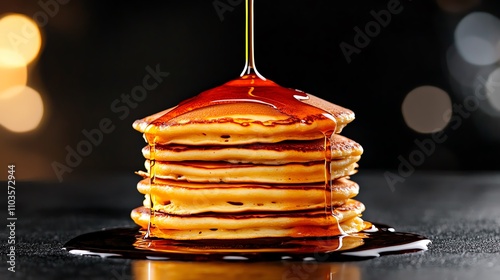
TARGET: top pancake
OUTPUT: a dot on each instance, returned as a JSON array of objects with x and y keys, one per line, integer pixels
[{"x": 245, "y": 111}]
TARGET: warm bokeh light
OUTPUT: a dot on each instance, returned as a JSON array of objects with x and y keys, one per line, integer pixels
[
  {"x": 493, "y": 89},
  {"x": 457, "y": 6},
  {"x": 477, "y": 38},
  {"x": 21, "y": 109},
  {"x": 13, "y": 71},
  {"x": 20, "y": 34},
  {"x": 425, "y": 109}
]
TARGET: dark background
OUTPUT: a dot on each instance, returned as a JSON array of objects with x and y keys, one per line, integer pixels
[{"x": 95, "y": 51}]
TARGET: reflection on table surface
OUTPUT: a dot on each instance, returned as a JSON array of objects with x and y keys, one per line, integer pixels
[{"x": 152, "y": 270}]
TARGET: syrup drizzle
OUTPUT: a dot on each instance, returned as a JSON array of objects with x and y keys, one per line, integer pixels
[
  {"x": 152, "y": 180},
  {"x": 329, "y": 205},
  {"x": 250, "y": 88},
  {"x": 249, "y": 39}
]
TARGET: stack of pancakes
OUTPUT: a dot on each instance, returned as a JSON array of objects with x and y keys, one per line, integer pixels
[{"x": 244, "y": 168}]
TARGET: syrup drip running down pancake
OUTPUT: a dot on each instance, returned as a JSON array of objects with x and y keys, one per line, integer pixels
[{"x": 249, "y": 159}]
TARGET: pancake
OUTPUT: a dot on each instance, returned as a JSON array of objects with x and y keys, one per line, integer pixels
[
  {"x": 182, "y": 198},
  {"x": 231, "y": 128},
  {"x": 350, "y": 226},
  {"x": 245, "y": 110},
  {"x": 213, "y": 172},
  {"x": 254, "y": 224},
  {"x": 259, "y": 153},
  {"x": 249, "y": 159}
]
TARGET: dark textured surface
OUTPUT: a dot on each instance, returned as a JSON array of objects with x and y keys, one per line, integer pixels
[{"x": 460, "y": 213}]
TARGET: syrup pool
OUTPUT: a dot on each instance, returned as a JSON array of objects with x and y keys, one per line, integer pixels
[{"x": 130, "y": 243}]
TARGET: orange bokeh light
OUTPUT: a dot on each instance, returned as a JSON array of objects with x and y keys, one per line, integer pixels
[
  {"x": 20, "y": 34},
  {"x": 21, "y": 109}
]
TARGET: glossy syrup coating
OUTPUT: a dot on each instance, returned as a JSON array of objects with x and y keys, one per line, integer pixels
[
  {"x": 250, "y": 93},
  {"x": 245, "y": 110}
]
